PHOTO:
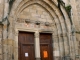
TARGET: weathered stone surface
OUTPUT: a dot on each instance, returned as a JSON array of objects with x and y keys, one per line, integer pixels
[
  {"x": 1, "y": 10},
  {"x": 31, "y": 16},
  {"x": 1, "y": 53}
]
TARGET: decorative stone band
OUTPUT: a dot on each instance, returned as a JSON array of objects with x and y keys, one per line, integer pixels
[{"x": 21, "y": 20}]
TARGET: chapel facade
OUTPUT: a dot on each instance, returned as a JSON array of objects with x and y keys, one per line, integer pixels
[{"x": 39, "y": 30}]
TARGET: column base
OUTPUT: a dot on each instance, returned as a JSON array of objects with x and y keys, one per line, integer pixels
[
  {"x": 56, "y": 58},
  {"x": 38, "y": 59}
]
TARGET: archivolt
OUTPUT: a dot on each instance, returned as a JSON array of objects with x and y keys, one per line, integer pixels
[
  {"x": 63, "y": 26},
  {"x": 53, "y": 10},
  {"x": 51, "y": 7}
]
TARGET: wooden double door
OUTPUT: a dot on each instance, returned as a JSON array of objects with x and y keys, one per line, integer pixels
[{"x": 26, "y": 48}]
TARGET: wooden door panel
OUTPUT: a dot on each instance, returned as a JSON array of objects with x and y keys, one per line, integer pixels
[
  {"x": 27, "y": 52},
  {"x": 46, "y": 46},
  {"x": 45, "y": 38},
  {"x": 45, "y": 52},
  {"x": 26, "y": 38},
  {"x": 26, "y": 46}
]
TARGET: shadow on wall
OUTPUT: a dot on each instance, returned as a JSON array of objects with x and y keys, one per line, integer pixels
[
  {"x": 69, "y": 58},
  {"x": 66, "y": 58}
]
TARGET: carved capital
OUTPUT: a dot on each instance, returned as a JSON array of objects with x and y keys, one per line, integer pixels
[
  {"x": 16, "y": 33},
  {"x": 36, "y": 34}
]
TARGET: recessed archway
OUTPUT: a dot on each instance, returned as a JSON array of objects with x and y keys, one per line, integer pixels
[{"x": 61, "y": 27}]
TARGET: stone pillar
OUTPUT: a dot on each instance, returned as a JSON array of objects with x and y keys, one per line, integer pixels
[
  {"x": 5, "y": 32},
  {"x": 73, "y": 48},
  {"x": 10, "y": 46},
  {"x": 66, "y": 46},
  {"x": 77, "y": 45},
  {"x": 10, "y": 39},
  {"x": 6, "y": 8},
  {"x": 61, "y": 45},
  {"x": 15, "y": 56},
  {"x": 71, "y": 43},
  {"x": 56, "y": 51},
  {"x": 1, "y": 54},
  {"x": 76, "y": 48},
  {"x": 5, "y": 50},
  {"x": 37, "y": 46}
]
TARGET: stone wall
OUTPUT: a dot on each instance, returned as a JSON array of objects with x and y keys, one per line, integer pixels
[{"x": 76, "y": 20}]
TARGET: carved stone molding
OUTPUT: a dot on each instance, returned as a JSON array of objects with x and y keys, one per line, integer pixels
[{"x": 22, "y": 20}]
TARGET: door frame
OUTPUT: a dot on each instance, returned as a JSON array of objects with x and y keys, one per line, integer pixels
[{"x": 16, "y": 32}]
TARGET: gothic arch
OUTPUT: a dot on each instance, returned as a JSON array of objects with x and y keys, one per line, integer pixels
[
  {"x": 52, "y": 8},
  {"x": 63, "y": 26}
]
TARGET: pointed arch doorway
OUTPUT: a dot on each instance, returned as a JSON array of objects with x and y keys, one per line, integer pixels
[{"x": 43, "y": 11}]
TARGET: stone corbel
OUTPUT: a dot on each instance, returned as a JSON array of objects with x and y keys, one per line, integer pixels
[
  {"x": 47, "y": 23},
  {"x": 37, "y": 22},
  {"x": 27, "y": 20}
]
